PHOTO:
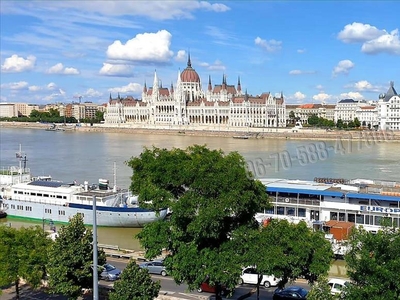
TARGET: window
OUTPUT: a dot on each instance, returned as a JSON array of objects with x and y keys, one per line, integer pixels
[
  {"x": 359, "y": 219},
  {"x": 334, "y": 215},
  {"x": 302, "y": 212},
  {"x": 351, "y": 218}
]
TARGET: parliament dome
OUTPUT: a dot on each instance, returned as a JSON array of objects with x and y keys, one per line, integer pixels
[{"x": 189, "y": 74}]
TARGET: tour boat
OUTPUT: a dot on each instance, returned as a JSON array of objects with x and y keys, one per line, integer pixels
[{"x": 42, "y": 198}]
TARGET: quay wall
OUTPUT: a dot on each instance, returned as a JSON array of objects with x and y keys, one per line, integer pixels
[{"x": 223, "y": 131}]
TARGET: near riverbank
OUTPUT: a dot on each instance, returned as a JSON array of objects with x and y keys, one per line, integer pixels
[{"x": 223, "y": 131}]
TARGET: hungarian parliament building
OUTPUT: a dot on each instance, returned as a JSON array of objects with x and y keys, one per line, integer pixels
[{"x": 186, "y": 103}]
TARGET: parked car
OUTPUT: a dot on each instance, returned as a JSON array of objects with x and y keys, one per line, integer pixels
[
  {"x": 206, "y": 287},
  {"x": 337, "y": 285},
  {"x": 154, "y": 267},
  {"x": 250, "y": 276},
  {"x": 109, "y": 272},
  {"x": 289, "y": 293}
]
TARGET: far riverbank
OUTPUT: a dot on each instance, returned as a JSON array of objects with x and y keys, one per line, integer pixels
[{"x": 242, "y": 133}]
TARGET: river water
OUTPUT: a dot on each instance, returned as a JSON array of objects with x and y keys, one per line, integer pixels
[{"x": 80, "y": 156}]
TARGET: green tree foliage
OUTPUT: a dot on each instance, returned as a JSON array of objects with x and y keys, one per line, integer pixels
[
  {"x": 289, "y": 251},
  {"x": 212, "y": 196},
  {"x": 373, "y": 264},
  {"x": 71, "y": 259},
  {"x": 320, "y": 290},
  {"x": 23, "y": 254},
  {"x": 340, "y": 124},
  {"x": 135, "y": 284},
  {"x": 357, "y": 122}
]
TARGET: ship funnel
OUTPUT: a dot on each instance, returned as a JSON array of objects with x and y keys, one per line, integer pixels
[{"x": 103, "y": 184}]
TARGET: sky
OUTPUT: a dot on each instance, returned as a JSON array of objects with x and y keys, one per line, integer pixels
[{"x": 311, "y": 51}]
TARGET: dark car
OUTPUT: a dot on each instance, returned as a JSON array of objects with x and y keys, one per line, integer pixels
[
  {"x": 109, "y": 272},
  {"x": 154, "y": 267},
  {"x": 292, "y": 292}
]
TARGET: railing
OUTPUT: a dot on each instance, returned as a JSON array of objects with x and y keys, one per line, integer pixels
[{"x": 290, "y": 200}]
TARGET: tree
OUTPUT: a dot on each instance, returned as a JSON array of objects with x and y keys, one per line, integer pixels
[
  {"x": 340, "y": 124},
  {"x": 71, "y": 259},
  {"x": 135, "y": 284},
  {"x": 357, "y": 122},
  {"x": 290, "y": 251},
  {"x": 292, "y": 116},
  {"x": 373, "y": 264},
  {"x": 23, "y": 255},
  {"x": 313, "y": 120},
  {"x": 320, "y": 290},
  {"x": 212, "y": 196}
]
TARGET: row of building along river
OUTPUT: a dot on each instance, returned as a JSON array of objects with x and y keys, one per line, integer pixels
[{"x": 88, "y": 156}]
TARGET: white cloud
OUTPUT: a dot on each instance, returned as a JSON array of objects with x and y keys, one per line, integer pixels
[
  {"x": 92, "y": 93},
  {"x": 3, "y": 98},
  {"x": 269, "y": 46},
  {"x": 352, "y": 95},
  {"x": 20, "y": 85},
  {"x": 300, "y": 72},
  {"x": 130, "y": 88},
  {"x": 146, "y": 47},
  {"x": 301, "y": 51},
  {"x": 364, "y": 85},
  {"x": 322, "y": 97},
  {"x": 158, "y": 10},
  {"x": 319, "y": 87},
  {"x": 343, "y": 67},
  {"x": 35, "y": 88},
  {"x": 116, "y": 70},
  {"x": 216, "y": 66},
  {"x": 386, "y": 43},
  {"x": 299, "y": 96},
  {"x": 181, "y": 55},
  {"x": 17, "y": 64},
  {"x": 60, "y": 69},
  {"x": 359, "y": 32},
  {"x": 51, "y": 86}
]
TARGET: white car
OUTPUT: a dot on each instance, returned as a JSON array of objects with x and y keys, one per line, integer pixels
[
  {"x": 337, "y": 285},
  {"x": 250, "y": 276}
]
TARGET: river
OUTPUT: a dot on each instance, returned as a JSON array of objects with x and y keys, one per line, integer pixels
[{"x": 80, "y": 156}]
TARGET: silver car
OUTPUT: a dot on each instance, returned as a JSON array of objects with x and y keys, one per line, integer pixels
[{"x": 154, "y": 267}]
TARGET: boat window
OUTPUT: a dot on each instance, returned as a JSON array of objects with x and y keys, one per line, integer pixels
[
  {"x": 378, "y": 220},
  {"x": 59, "y": 197},
  {"x": 351, "y": 218},
  {"x": 290, "y": 211},
  {"x": 360, "y": 219},
  {"x": 301, "y": 212},
  {"x": 369, "y": 220},
  {"x": 20, "y": 192},
  {"x": 280, "y": 210},
  {"x": 61, "y": 212},
  {"x": 40, "y": 195},
  {"x": 28, "y": 208},
  {"x": 33, "y": 194},
  {"x": 333, "y": 215},
  {"x": 12, "y": 206},
  {"x": 45, "y": 195}
]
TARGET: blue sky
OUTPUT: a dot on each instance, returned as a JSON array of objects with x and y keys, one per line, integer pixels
[{"x": 312, "y": 51}]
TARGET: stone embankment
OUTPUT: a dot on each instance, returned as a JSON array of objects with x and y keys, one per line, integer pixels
[{"x": 224, "y": 131}]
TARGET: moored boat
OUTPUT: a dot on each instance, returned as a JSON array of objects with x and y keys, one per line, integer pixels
[
  {"x": 42, "y": 198},
  {"x": 363, "y": 202}
]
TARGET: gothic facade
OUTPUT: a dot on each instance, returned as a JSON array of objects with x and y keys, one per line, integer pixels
[{"x": 187, "y": 104}]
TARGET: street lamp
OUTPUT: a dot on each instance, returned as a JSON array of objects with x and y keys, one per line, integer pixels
[{"x": 51, "y": 223}]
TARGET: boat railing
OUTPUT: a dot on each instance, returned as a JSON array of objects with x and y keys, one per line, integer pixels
[{"x": 302, "y": 201}]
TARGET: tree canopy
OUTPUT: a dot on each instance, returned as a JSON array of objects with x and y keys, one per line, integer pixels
[
  {"x": 288, "y": 251},
  {"x": 135, "y": 284},
  {"x": 23, "y": 254},
  {"x": 71, "y": 259},
  {"x": 373, "y": 264},
  {"x": 212, "y": 196}
]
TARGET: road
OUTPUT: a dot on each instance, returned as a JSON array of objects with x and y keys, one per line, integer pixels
[{"x": 170, "y": 288}]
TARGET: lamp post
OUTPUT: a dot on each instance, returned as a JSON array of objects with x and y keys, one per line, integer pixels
[
  {"x": 95, "y": 274},
  {"x": 51, "y": 223}
]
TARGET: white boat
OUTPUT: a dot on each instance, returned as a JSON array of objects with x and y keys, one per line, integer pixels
[
  {"x": 44, "y": 199},
  {"x": 360, "y": 201}
]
